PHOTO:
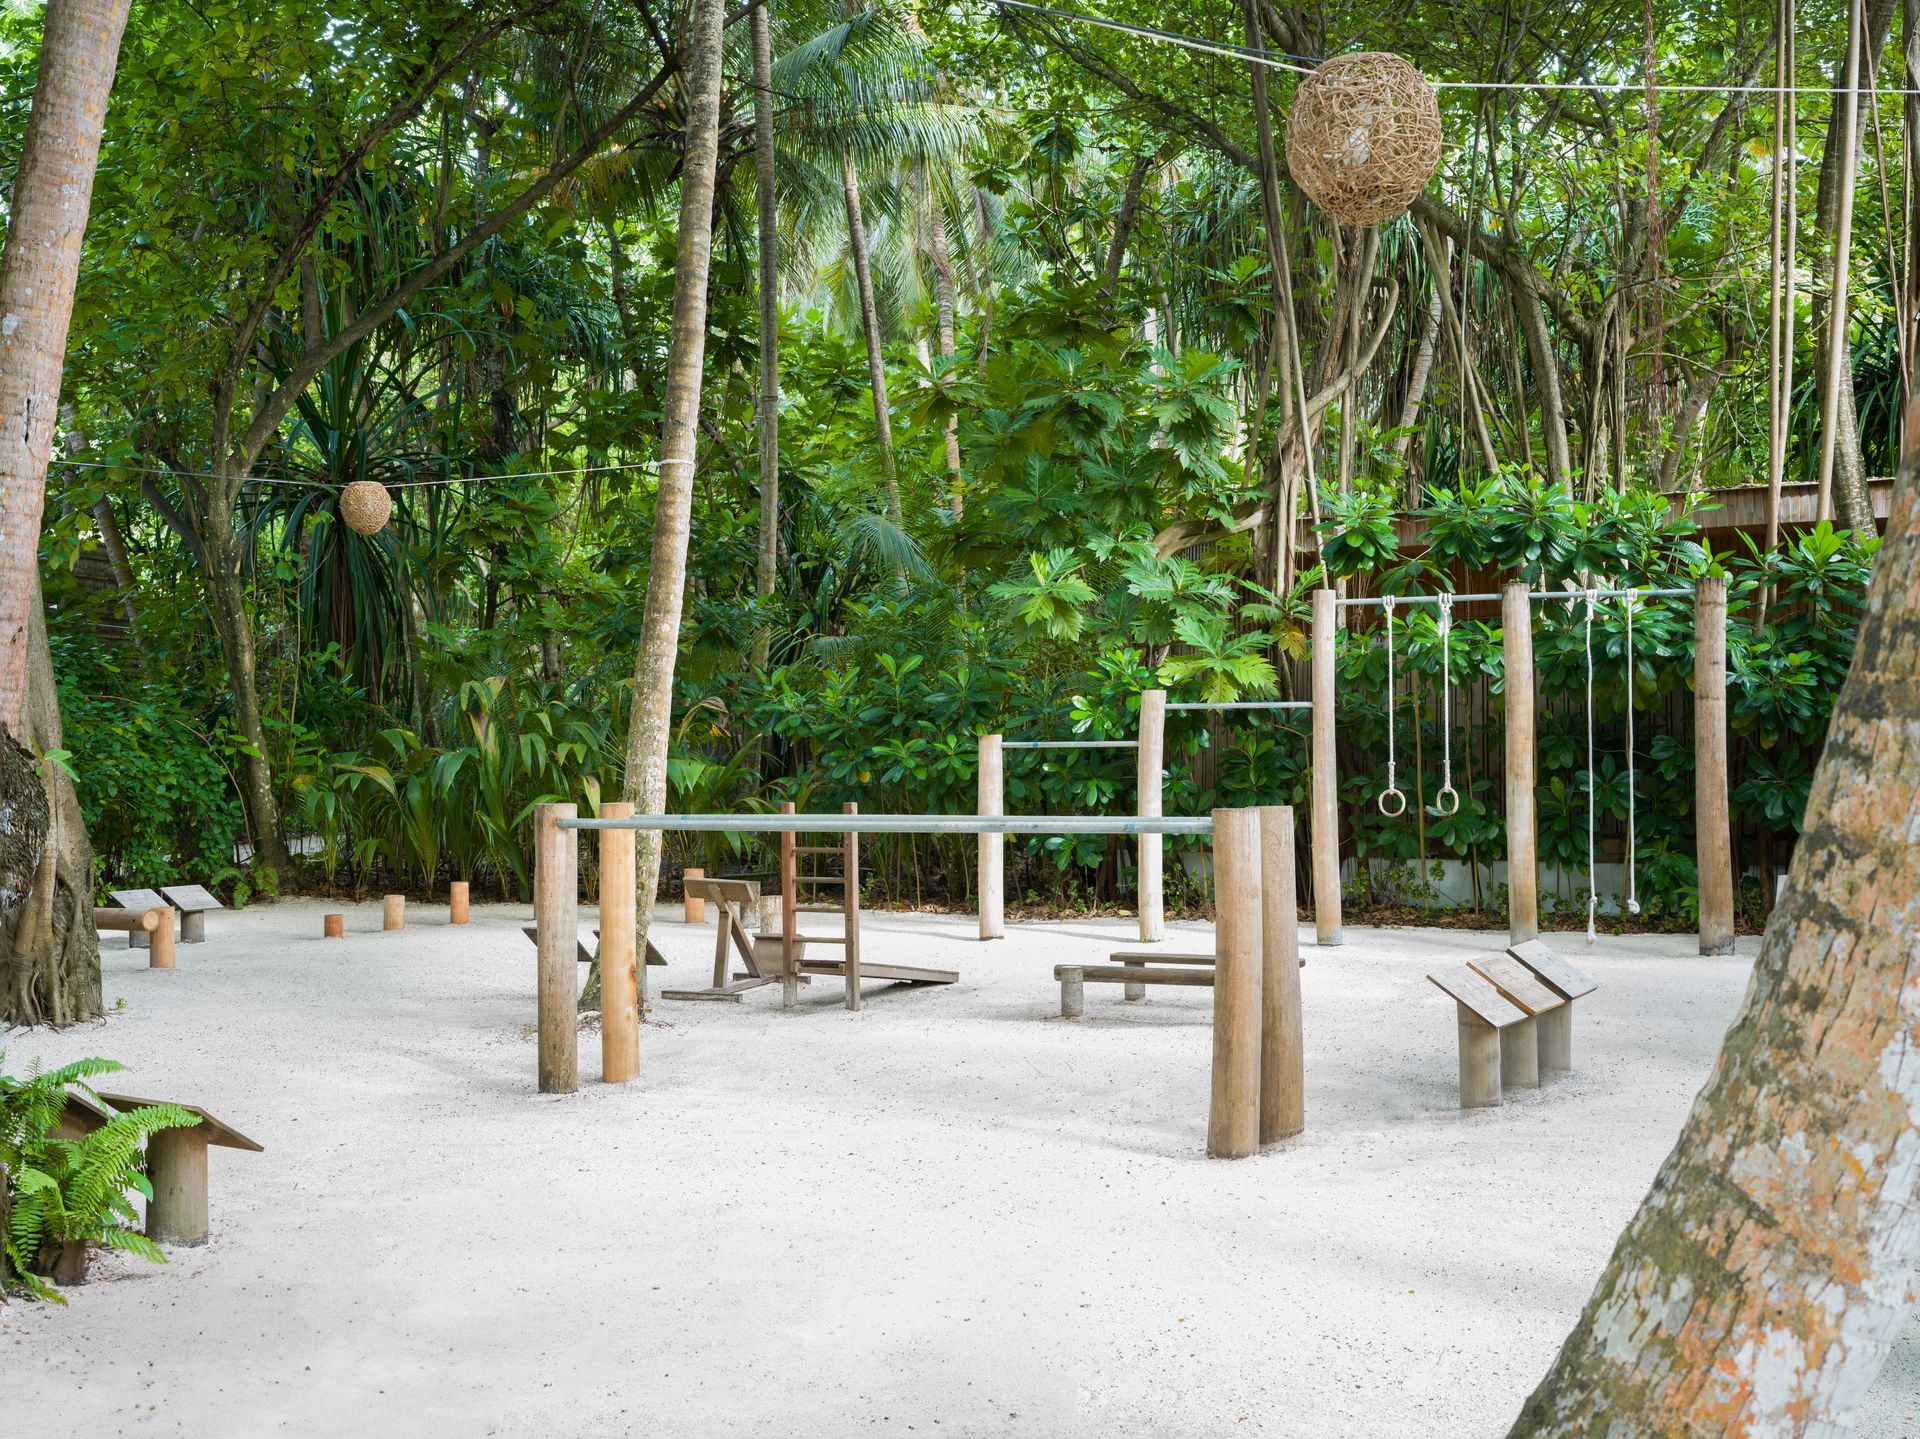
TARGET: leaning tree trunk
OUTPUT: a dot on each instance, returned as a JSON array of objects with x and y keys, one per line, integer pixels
[
  {"x": 49, "y": 949},
  {"x": 52, "y": 195},
  {"x": 652, "y": 715},
  {"x": 763, "y": 156},
  {"x": 870, "y": 328},
  {"x": 1761, "y": 1284}
]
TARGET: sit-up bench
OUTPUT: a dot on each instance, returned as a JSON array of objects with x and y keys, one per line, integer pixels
[
  {"x": 1193, "y": 971},
  {"x": 176, "y": 1162},
  {"x": 1483, "y": 1014},
  {"x": 1556, "y": 1025},
  {"x": 1519, "y": 1043}
]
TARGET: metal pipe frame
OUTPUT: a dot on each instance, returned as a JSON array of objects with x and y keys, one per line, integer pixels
[
  {"x": 1377, "y": 602},
  {"x": 1022, "y": 824},
  {"x": 1070, "y": 743},
  {"x": 1245, "y": 705}
]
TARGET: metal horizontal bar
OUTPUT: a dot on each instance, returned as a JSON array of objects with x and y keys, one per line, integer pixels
[
  {"x": 1376, "y": 602},
  {"x": 1070, "y": 744},
  {"x": 1023, "y": 824},
  {"x": 1247, "y": 705}
]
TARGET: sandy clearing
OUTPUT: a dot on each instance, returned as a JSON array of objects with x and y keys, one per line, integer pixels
[{"x": 950, "y": 1214}]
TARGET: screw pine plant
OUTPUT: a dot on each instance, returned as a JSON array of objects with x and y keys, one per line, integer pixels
[{"x": 63, "y": 1192}]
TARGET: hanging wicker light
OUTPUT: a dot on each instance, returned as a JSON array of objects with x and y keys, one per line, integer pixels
[
  {"x": 366, "y": 507},
  {"x": 1363, "y": 137}
]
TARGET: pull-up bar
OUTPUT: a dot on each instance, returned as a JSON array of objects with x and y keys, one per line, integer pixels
[
  {"x": 1244, "y": 705},
  {"x": 1021, "y": 824},
  {"x": 1070, "y": 744},
  {"x": 1377, "y": 601}
]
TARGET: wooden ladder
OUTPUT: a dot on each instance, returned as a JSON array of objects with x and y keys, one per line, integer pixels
[{"x": 793, "y": 881}]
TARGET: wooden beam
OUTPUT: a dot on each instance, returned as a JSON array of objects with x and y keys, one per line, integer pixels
[
  {"x": 1283, "y": 1079},
  {"x": 1233, "y": 1119},
  {"x": 1150, "y": 762},
  {"x": 1713, "y": 826},
  {"x": 993, "y": 847},
  {"x": 1523, "y": 866},
  {"x": 619, "y": 950},
  {"x": 556, "y": 918},
  {"x": 1326, "y": 777}
]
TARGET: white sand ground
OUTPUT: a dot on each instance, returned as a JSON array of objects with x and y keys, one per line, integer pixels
[{"x": 953, "y": 1213}]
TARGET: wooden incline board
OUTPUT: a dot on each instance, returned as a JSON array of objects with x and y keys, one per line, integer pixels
[
  {"x": 190, "y": 898},
  {"x": 1516, "y": 982},
  {"x": 140, "y": 899},
  {"x": 1552, "y": 970},
  {"x": 1465, "y": 987}
]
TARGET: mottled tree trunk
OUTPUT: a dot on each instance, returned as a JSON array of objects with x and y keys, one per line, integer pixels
[
  {"x": 49, "y": 949},
  {"x": 870, "y": 328},
  {"x": 769, "y": 406},
  {"x": 47, "y": 221},
  {"x": 227, "y": 599},
  {"x": 943, "y": 317},
  {"x": 650, "y": 728},
  {"x": 1760, "y": 1285}
]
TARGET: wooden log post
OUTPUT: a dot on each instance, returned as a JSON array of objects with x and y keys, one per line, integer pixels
[
  {"x": 1523, "y": 868},
  {"x": 1326, "y": 777},
  {"x": 1150, "y": 780},
  {"x": 556, "y": 921},
  {"x": 177, "y": 1170},
  {"x": 993, "y": 847},
  {"x": 850, "y": 900},
  {"x": 1480, "y": 1052},
  {"x": 333, "y": 926},
  {"x": 1713, "y": 826},
  {"x": 1233, "y": 1118},
  {"x": 693, "y": 907},
  {"x": 789, "y": 917},
  {"x": 133, "y": 921},
  {"x": 457, "y": 905},
  {"x": 619, "y": 967},
  {"x": 1283, "y": 1077},
  {"x": 1073, "y": 992},
  {"x": 160, "y": 954},
  {"x": 393, "y": 912},
  {"x": 1133, "y": 989}
]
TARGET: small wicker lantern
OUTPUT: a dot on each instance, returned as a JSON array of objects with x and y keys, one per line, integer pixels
[
  {"x": 366, "y": 507},
  {"x": 1363, "y": 137}
]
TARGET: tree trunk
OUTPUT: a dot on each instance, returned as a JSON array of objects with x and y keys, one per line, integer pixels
[
  {"x": 47, "y": 221},
  {"x": 649, "y": 731},
  {"x": 1409, "y": 415},
  {"x": 870, "y": 327},
  {"x": 769, "y": 405},
  {"x": 227, "y": 598},
  {"x": 49, "y": 949},
  {"x": 1759, "y": 1287},
  {"x": 1123, "y": 222},
  {"x": 943, "y": 318}
]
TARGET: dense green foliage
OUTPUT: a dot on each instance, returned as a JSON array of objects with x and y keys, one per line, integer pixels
[{"x": 1124, "y": 500}]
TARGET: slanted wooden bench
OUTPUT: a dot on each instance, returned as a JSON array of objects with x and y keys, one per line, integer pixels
[
  {"x": 736, "y": 898},
  {"x": 586, "y": 955},
  {"x": 176, "y": 1162},
  {"x": 1519, "y": 1043},
  {"x": 193, "y": 902},
  {"x": 1482, "y": 1014},
  {"x": 1556, "y": 1025}
]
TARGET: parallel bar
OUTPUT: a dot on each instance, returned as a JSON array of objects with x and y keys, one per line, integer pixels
[
  {"x": 1246, "y": 705},
  {"x": 1375, "y": 602},
  {"x": 1070, "y": 744},
  {"x": 1022, "y": 824}
]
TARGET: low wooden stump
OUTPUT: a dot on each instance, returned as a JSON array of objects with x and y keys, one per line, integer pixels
[
  {"x": 1519, "y": 1043},
  {"x": 457, "y": 902},
  {"x": 1073, "y": 990},
  {"x": 333, "y": 926},
  {"x": 393, "y": 912},
  {"x": 693, "y": 903},
  {"x": 1482, "y": 1015},
  {"x": 1565, "y": 980},
  {"x": 177, "y": 1170}
]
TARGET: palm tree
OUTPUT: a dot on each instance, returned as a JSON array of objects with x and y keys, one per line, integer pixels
[{"x": 763, "y": 167}]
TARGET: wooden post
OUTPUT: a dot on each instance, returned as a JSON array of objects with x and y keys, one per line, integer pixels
[
  {"x": 160, "y": 954},
  {"x": 1714, "y": 841},
  {"x": 1233, "y": 1119},
  {"x": 1520, "y": 1054},
  {"x": 1133, "y": 989},
  {"x": 333, "y": 926},
  {"x": 457, "y": 902},
  {"x": 1480, "y": 1051},
  {"x": 1523, "y": 867},
  {"x": 393, "y": 912},
  {"x": 193, "y": 926},
  {"x": 1283, "y": 1078},
  {"x": 1326, "y": 778},
  {"x": 693, "y": 908},
  {"x": 1556, "y": 1040},
  {"x": 556, "y": 922},
  {"x": 850, "y": 901},
  {"x": 1073, "y": 992},
  {"x": 1150, "y": 779},
  {"x": 993, "y": 847},
  {"x": 619, "y": 972},
  {"x": 177, "y": 1170},
  {"x": 789, "y": 917}
]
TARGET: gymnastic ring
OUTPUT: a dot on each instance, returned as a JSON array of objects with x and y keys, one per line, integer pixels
[
  {"x": 1440, "y": 805},
  {"x": 1395, "y": 794}
]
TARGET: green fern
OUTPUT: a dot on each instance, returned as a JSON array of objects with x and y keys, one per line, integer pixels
[{"x": 61, "y": 1190}]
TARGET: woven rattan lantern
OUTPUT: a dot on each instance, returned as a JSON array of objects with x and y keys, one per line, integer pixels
[
  {"x": 366, "y": 507},
  {"x": 1364, "y": 136}
]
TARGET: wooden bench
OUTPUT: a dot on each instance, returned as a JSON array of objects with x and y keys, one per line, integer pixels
[
  {"x": 1556, "y": 1025},
  {"x": 1519, "y": 1043},
  {"x": 1198, "y": 974},
  {"x": 1482, "y": 1014},
  {"x": 193, "y": 902}
]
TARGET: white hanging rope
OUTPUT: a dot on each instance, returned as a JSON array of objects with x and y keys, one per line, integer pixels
[
  {"x": 1593, "y": 795},
  {"x": 1448, "y": 800},
  {"x": 1392, "y": 791},
  {"x": 1633, "y": 895}
]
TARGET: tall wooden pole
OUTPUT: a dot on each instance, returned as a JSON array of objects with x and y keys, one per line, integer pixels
[
  {"x": 789, "y": 918},
  {"x": 993, "y": 847},
  {"x": 1714, "y": 841},
  {"x": 1523, "y": 869},
  {"x": 556, "y": 931},
  {"x": 1326, "y": 778},
  {"x": 1233, "y": 1117},
  {"x": 1283, "y": 1097},
  {"x": 619, "y": 969},
  {"x": 850, "y": 870},
  {"x": 1847, "y": 117},
  {"x": 1149, "y": 778}
]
